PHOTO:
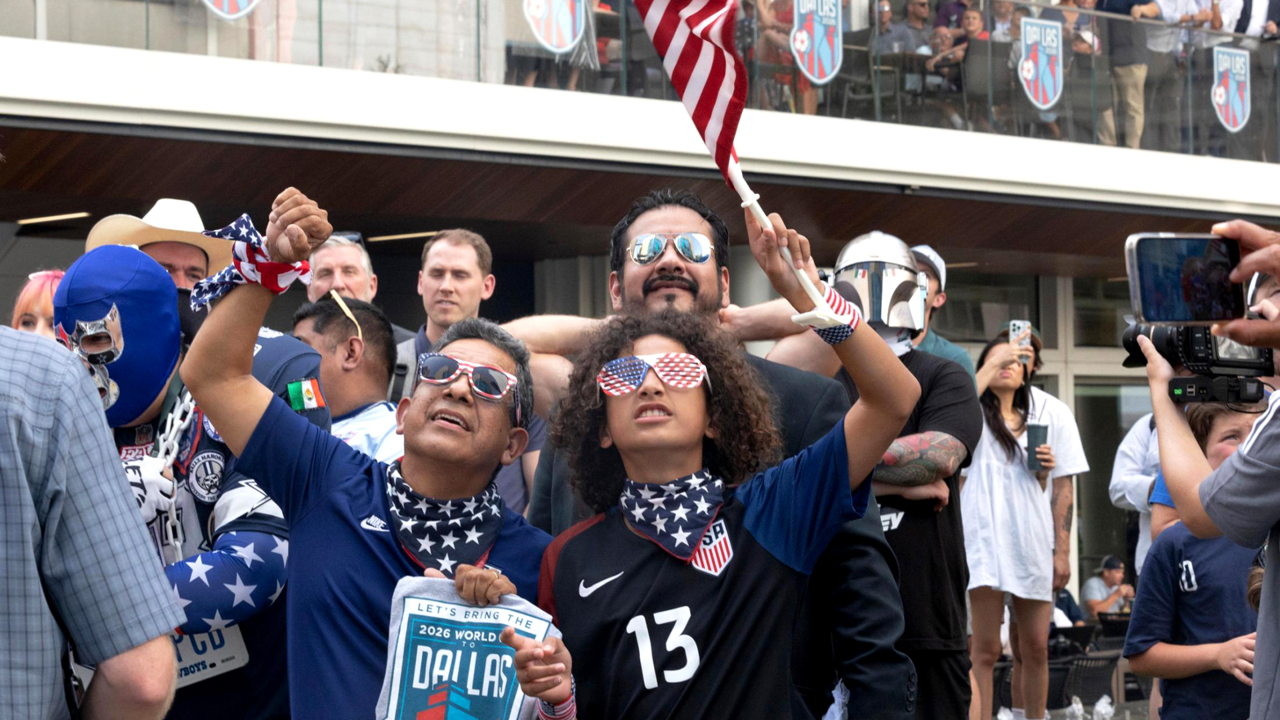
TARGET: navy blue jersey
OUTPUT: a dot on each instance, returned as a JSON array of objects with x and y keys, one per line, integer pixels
[
  {"x": 347, "y": 560},
  {"x": 654, "y": 637},
  {"x": 214, "y": 501},
  {"x": 1193, "y": 592}
]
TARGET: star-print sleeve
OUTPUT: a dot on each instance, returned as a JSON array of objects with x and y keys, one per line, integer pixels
[
  {"x": 793, "y": 509},
  {"x": 243, "y": 574},
  {"x": 295, "y": 462}
]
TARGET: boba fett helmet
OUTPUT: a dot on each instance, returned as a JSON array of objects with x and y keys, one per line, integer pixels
[{"x": 878, "y": 273}]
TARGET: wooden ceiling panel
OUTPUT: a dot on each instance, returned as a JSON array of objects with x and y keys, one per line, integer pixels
[{"x": 534, "y": 208}]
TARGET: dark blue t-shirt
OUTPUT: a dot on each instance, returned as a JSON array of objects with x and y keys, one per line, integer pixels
[
  {"x": 1192, "y": 593},
  {"x": 346, "y": 559}
]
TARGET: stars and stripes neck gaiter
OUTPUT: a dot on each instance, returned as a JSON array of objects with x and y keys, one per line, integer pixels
[
  {"x": 441, "y": 534},
  {"x": 674, "y": 515}
]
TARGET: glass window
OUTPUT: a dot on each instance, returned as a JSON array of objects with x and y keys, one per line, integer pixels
[
  {"x": 979, "y": 305},
  {"x": 1101, "y": 306},
  {"x": 1111, "y": 408}
]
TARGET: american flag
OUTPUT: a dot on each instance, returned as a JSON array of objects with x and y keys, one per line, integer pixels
[
  {"x": 674, "y": 515},
  {"x": 695, "y": 40},
  {"x": 677, "y": 370},
  {"x": 250, "y": 263}
]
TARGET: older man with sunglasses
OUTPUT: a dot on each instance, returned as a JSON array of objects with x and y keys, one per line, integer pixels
[{"x": 358, "y": 525}]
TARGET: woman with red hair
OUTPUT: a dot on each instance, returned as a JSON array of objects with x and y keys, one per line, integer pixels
[{"x": 33, "y": 311}]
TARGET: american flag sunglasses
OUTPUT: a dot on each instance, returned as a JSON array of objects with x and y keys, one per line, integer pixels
[
  {"x": 694, "y": 247},
  {"x": 487, "y": 382},
  {"x": 675, "y": 370}
]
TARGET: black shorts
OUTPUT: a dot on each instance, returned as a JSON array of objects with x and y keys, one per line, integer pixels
[{"x": 944, "y": 692}]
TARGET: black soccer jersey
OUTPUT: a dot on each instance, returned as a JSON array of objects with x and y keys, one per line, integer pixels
[{"x": 655, "y": 637}]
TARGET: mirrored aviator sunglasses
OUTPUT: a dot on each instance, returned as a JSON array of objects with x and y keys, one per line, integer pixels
[
  {"x": 487, "y": 383},
  {"x": 675, "y": 370},
  {"x": 694, "y": 247}
]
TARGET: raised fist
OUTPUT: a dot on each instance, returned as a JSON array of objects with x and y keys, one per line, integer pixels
[{"x": 297, "y": 226}]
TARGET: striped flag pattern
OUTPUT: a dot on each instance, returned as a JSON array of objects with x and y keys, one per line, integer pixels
[{"x": 695, "y": 40}]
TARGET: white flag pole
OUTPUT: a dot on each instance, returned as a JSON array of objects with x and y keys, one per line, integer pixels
[{"x": 820, "y": 315}]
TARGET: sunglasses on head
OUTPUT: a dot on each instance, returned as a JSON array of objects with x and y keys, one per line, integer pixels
[
  {"x": 487, "y": 382},
  {"x": 694, "y": 247},
  {"x": 675, "y": 370}
]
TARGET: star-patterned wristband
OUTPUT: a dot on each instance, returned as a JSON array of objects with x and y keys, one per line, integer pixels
[
  {"x": 846, "y": 311},
  {"x": 250, "y": 264},
  {"x": 563, "y": 711}
]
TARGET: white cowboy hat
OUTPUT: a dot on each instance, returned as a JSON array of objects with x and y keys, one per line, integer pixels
[{"x": 169, "y": 221}]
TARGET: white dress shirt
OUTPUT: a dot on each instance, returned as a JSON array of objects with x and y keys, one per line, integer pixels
[
  {"x": 1170, "y": 39},
  {"x": 1230, "y": 11},
  {"x": 1136, "y": 464}
]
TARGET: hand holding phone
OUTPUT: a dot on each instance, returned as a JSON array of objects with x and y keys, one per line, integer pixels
[
  {"x": 1178, "y": 279},
  {"x": 1020, "y": 335}
]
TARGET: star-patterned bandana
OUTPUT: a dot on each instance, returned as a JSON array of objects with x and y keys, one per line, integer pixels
[
  {"x": 250, "y": 263},
  {"x": 674, "y": 515},
  {"x": 440, "y": 535}
]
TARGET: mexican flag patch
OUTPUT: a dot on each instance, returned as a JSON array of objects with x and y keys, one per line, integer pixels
[{"x": 305, "y": 395}]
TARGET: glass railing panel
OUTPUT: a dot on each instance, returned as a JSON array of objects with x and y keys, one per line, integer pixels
[
  {"x": 1062, "y": 72},
  {"x": 119, "y": 23},
  {"x": 576, "y": 45},
  {"x": 18, "y": 18},
  {"x": 435, "y": 38},
  {"x": 270, "y": 30},
  {"x": 1231, "y": 96}
]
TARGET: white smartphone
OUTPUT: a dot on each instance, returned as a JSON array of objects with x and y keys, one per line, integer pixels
[{"x": 1016, "y": 328}]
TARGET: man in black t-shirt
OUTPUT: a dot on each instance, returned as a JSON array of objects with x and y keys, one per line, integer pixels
[
  {"x": 917, "y": 483},
  {"x": 919, "y": 493}
]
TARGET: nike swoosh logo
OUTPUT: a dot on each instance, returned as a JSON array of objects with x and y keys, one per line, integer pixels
[
  {"x": 584, "y": 591},
  {"x": 374, "y": 524}
]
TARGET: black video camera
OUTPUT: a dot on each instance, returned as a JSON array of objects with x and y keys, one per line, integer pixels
[{"x": 1227, "y": 370}]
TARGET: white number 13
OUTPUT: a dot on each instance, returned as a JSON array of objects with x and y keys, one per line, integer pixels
[{"x": 677, "y": 640}]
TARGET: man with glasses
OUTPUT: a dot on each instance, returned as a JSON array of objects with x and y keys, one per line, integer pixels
[
  {"x": 359, "y": 526},
  {"x": 916, "y": 24},
  {"x": 343, "y": 264},
  {"x": 672, "y": 251},
  {"x": 357, "y": 354}
]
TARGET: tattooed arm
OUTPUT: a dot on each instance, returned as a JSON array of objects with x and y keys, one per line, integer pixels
[
  {"x": 1063, "y": 507},
  {"x": 920, "y": 459}
]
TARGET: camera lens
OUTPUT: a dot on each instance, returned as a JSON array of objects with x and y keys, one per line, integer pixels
[{"x": 1165, "y": 339}]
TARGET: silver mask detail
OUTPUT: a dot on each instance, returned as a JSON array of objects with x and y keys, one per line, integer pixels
[
  {"x": 98, "y": 343},
  {"x": 878, "y": 273}
]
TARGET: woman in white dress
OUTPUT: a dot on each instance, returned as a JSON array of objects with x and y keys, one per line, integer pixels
[{"x": 1017, "y": 522}]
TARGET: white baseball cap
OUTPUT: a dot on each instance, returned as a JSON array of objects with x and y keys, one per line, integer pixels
[{"x": 926, "y": 255}]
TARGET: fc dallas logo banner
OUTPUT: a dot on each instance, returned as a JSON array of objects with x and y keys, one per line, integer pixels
[
  {"x": 557, "y": 24},
  {"x": 815, "y": 39},
  {"x": 1231, "y": 87},
  {"x": 1040, "y": 71},
  {"x": 231, "y": 9}
]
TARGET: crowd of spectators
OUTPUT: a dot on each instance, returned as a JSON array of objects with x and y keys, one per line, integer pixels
[{"x": 950, "y": 556}]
